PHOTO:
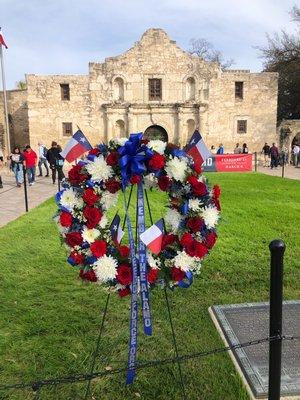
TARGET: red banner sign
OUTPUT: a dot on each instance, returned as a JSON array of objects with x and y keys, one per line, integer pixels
[{"x": 228, "y": 163}]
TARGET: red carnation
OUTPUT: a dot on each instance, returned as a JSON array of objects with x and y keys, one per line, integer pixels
[
  {"x": 210, "y": 239},
  {"x": 186, "y": 239},
  {"x": 77, "y": 257},
  {"x": 157, "y": 161},
  {"x": 124, "y": 251},
  {"x": 98, "y": 248},
  {"x": 124, "y": 274},
  {"x": 177, "y": 274},
  {"x": 168, "y": 239},
  {"x": 93, "y": 216},
  {"x": 195, "y": 224},
  {"x": 94, "y": 152},
  {"x": 217, "y": 204},
  {"x": 112, "y": 158},
  {"x": 201, "y": 250},
  {"x": 135, "y": 179},
  {"x": 124, "y": 292},
  {"x": 152, "y": 275},
  {"x": 65, "y": 219},
  {"x": 164, "y": 182},
  {"x": 191, "y": 248},
  {"x": 112, "y": 185},
  {"x": 90, "y": 197},
  {"x": 75, "y": 175},
  {"x": 200, "y": 189},
  {"x": 88, "y": 275},
  {"x": 74, "y": 239},
  {"x": 193, "y": 180}
]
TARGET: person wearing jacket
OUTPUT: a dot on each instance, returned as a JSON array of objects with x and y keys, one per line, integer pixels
[
  {"x": 30, "y": 158},
  {"x": 274, "y": 153},
  {"x": 56, "y": 161},
  {"x": 17, "y": 165}
]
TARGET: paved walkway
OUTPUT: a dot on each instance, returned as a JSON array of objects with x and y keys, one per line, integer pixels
[
  {"x": 12, "y": 202},
  {"x": 289, "y": 171}
]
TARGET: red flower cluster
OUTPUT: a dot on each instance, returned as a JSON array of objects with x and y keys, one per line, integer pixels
[
  {"x": 77, "y": 257},
  {"x": 74, "y": 239},
  {"x": 124, "y": 251},
  {"x": 152, "y": 275},
  {"x": 157, "y": 162},
  {"x": 124, "y": 274},
  {"x": 216, "y": 195},
  {"x": 177, "y": 274},
  {"x": 98, "y": 248},
  {"x": 196, "y": 249},
  {"x": 65, "y": 219},
  {"x": 88, "y": 275},
  {"x": 94, "y": 152},
  {"x": 210, "y": 239},
  {"x": 195, "y": 224},
  {"x": 124, "y": 292},
  {"x": 90, "y": 197},
  {"x": 112, "y": 185},
  {"x": 199, "y": 188},
  {"x": 164, "y": 182},
  {"x": 93, "y": 216},
  {"x": 112, "y": 159},
  {"x": 75, "y": 175},
  {"x": 168, "y": 240},
  {"x": 135, "y": 179}
]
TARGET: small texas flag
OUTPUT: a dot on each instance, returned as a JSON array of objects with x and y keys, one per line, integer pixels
[
  {"x": 115, "y": 229},
  {"x": 197, "y": 149},
  {"x": 152, "y": 237},
  {"x": 2, "y": 41},
  {"x": 76, "y": 147}
]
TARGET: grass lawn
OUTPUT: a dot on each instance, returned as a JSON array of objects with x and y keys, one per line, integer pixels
[{"x": 49, "y": 319}]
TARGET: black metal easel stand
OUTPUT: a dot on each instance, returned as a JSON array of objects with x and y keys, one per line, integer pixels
[{"x": 98, "y": 341}]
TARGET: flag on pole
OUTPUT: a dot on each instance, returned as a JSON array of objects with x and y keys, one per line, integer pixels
[
  {"x": 2, "y": 41},
  {"x": 76, "y": 147},
  {"x": 197, "y": 149},
  {"x": 116, "y": 230},
  {"x": 152, "y": 237}
]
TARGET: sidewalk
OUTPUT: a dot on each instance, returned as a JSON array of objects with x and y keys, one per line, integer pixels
[
  {"x": 12, "y": 201},
  {"x": 289, "y": 171}
]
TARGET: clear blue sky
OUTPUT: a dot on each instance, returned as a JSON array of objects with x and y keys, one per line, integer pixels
[{"x": 62, "y": 36}]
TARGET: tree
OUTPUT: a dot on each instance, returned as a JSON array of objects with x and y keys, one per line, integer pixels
[
  {"x": 206, "y": 51},
  {"x": 21, "y": 85},
  {"x": 282, "y": 55}
]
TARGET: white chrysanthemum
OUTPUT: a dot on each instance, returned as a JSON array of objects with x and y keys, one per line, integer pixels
[
  {"x": 210, "y": 215},
  {"x": 150, "y": 181},
  {"x": 194, "y": 204},
  {"x": 153, "y": 262},
  {"x": 68, "y": 199},
  {"x": 121, "y": 141},
  {"x": 105, "y": 268},
  {"x": 184, "y": 261},
  {"x": 173, "y": 219},
  {"x": 99, "y": 170},
  {"x": 103, "y": 221},
  {"x": 176, "y": 168},
  {"x": 108, "y": 200},
  {"x": 90, "y": 235},
  {"x": 157, "y": 145}
]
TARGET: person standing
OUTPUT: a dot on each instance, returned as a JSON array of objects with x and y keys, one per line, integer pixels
[
  {"x": 56, "y": 161},
  {"x": 245, "y": 149},
  {"x": 220, "y": 149},
  {"x": 266, "y": 153},
  {"x": 1, "y": 165},
  {"x": 30, "y": 163},
  {"x": 43, "y": 159},
  {"x": 296, "y": 152},
  {"x": 17, "y": 165},
  {"x": 237, "y": 149},
  {"x": 274, "y": 153}
]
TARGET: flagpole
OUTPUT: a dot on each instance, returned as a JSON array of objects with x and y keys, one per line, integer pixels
[{"x": 5, "y": 103}]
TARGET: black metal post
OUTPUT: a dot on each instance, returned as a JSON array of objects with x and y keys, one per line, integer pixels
[
  {"x": 58, "y": 182},
  {"x": 283, "y": 164},
  {"x": 25, "y": 189},
  {"x": 277, "y": 248},
  {"x": 255, "y": 161}
]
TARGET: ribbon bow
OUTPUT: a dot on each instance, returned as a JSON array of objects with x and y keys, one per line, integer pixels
[{"x": 133, "y": 157}]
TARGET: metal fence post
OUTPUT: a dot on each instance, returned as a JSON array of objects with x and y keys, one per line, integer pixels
[
  {"x": 277, "y": 248},
  {"x": 25, "y": 189}
]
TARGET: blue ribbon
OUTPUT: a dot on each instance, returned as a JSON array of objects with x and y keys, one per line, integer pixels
[
  {"x": 184, "y": 208},
  {"x": 178, "y": 153},
  {"x": 134, "y": 303},
  {"x": 143, "y": 263},
  {"x": 187, "y": 281},
  {"x": 133, "y": 157}
]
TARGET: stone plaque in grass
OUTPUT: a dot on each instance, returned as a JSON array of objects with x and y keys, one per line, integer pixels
[{"x": 239, "y": 323}]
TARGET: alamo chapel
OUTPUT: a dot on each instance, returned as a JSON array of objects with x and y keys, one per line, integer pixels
[{"x": 156, "y": 88}]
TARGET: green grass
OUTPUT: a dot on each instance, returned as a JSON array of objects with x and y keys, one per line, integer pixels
[{"x": 49, "y": 319}]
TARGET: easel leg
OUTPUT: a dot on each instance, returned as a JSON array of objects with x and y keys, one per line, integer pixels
[
  {"x": 97, "y": 346},
  {"x": 184, "y": 397}
]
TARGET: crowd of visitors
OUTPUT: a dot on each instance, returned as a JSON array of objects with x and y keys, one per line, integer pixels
[{"x": 29, "y": 159}]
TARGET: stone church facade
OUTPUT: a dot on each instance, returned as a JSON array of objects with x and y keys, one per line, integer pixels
[{"x": 157, "y": 88}]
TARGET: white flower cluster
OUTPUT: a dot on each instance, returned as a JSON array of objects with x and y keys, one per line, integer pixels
[
  {"x": 150, "y": 181},
  {"x": 183, "y": 261},
  {"x": 90, "y": 235},
  {"x": 108, "y": 199},
  {"x": 99, "y": 170},
  {"x": 153, "y": 262},
  {"x": 105, "y": 268},
  {"x": 120, "y": 141},
  {"x": 157, "y": 145},
  {"x": 194, "y": 204},
  {"x": 176, "y": 168},
  {"x": 210, "y": 215},
  {"x": 173, "y": 219},
  {"x": 69, "y": 200}
]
